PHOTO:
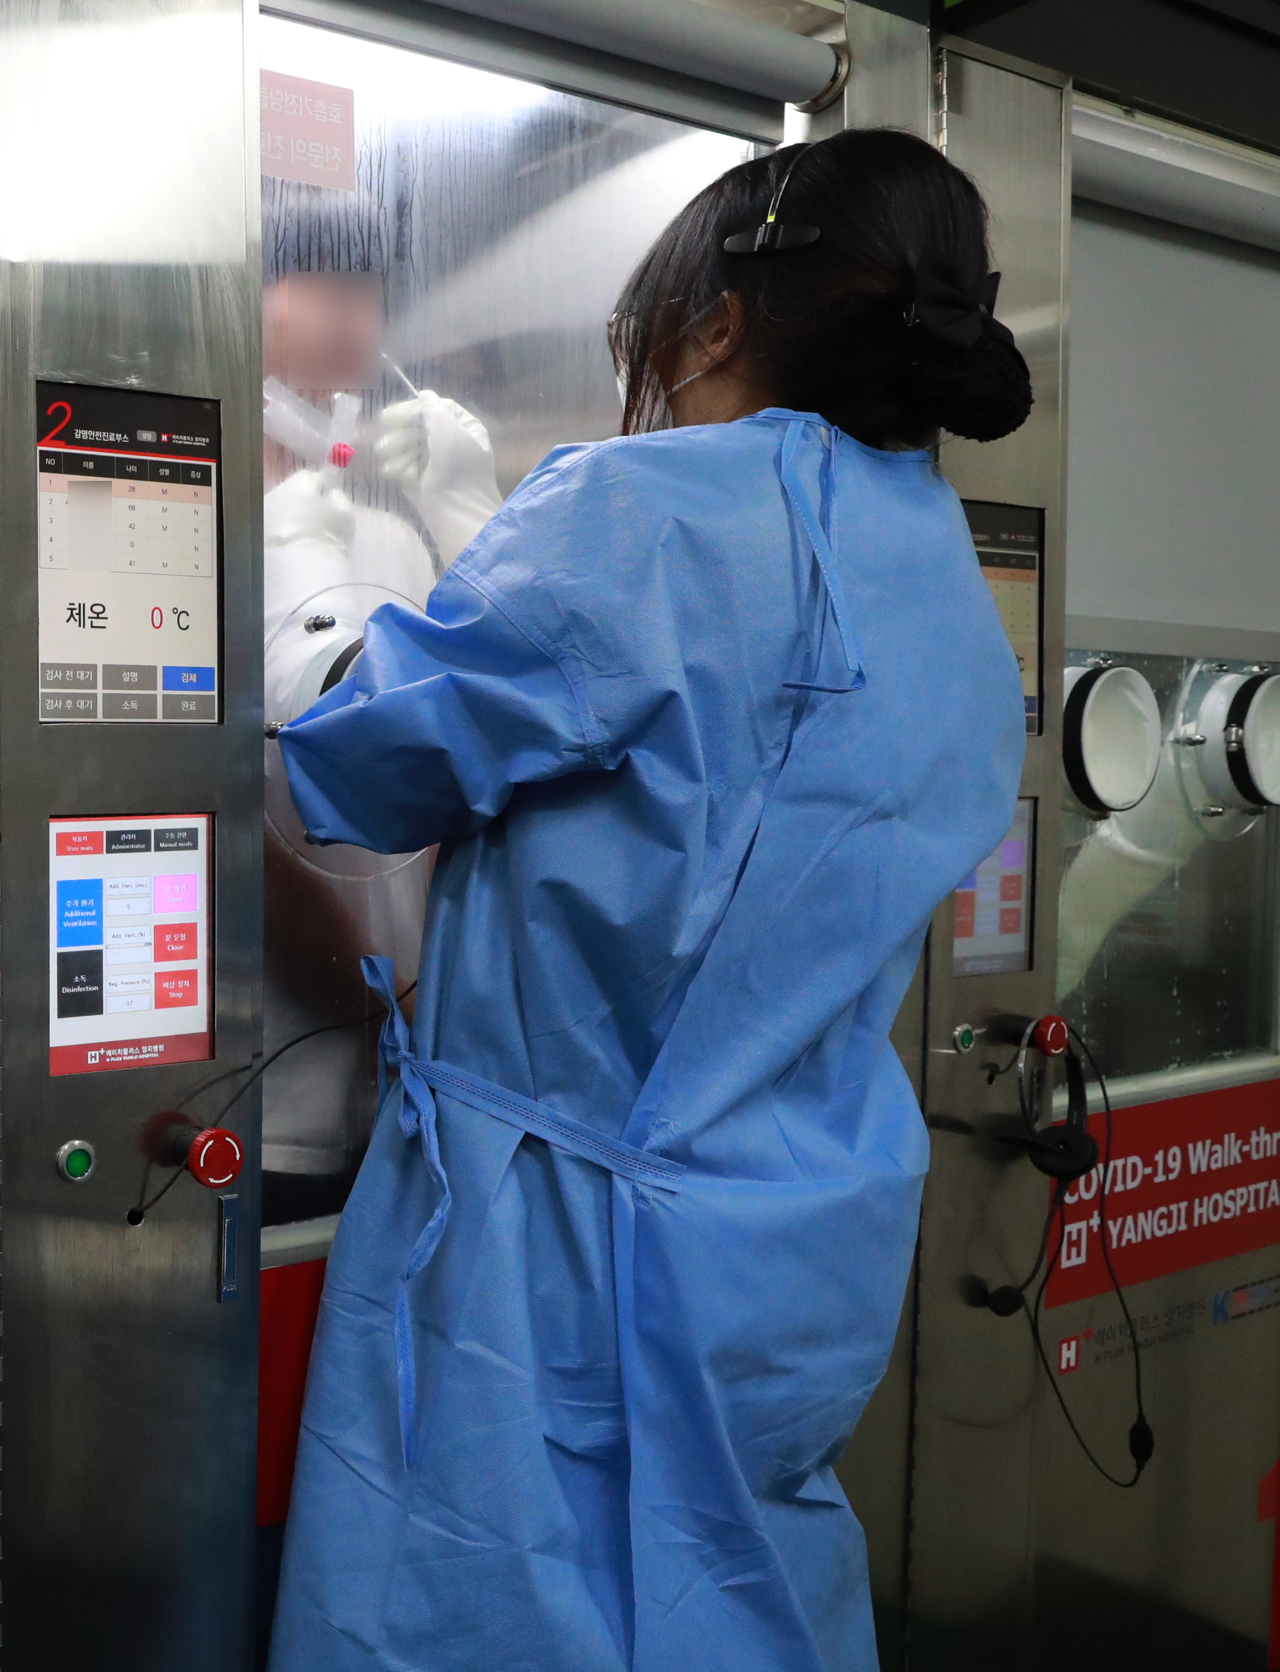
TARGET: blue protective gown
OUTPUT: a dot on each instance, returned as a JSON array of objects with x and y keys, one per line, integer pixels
[{"x": 707, "y": 722}]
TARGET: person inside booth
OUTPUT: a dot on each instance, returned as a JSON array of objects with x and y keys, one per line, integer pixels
[
  {"x": 322, "y": 348},
  {"x": 329, "y": 560}
]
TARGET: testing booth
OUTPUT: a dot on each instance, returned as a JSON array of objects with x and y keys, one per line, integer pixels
[{"x": 232, "y": 241}]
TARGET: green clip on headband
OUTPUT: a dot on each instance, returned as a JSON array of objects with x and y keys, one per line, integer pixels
[{"x": 774, "y": 234}]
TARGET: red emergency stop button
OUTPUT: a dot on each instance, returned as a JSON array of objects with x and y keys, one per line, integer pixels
[
  {"x": 1050, "y": 1036},
  {"x": 215, "y": 1157}
]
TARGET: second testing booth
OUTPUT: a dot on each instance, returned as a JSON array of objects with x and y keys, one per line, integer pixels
[{"x": 275, "y": 371}]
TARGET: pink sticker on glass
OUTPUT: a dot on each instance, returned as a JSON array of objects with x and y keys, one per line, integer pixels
[{"x": 308, "y": 131}]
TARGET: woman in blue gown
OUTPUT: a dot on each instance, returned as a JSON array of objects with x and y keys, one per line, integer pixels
[{"x": 707, "y": 721}]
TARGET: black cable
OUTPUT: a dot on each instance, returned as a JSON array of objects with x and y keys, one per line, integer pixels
[
  {"x": 329, "y": 1027},
  {"x": 1055, "y": 1200},
  {"x": 1141, "y": 1439},
  {"x": 244, "y": 1067},
  {"x": 1033, "y": 1318},
  {"x": 1020, "y": 1061},
  {"x": 142, "y": 1207},
  {"x": 994, "y": 1070},
  {"x": 1009, "y": 1298},
  {"x": 206, "y": 1085},
  {"x": 146, "y": 1207}
]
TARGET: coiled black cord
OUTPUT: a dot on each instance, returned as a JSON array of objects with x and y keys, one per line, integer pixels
[{"x": 1141, "y": 1439}]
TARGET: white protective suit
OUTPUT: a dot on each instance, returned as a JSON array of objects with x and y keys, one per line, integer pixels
[
  {"x": 321, "y": 550},
  {"x": 325, "y": 557}
]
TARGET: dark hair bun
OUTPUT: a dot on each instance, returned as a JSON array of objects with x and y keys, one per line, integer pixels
[
  {"x": 872, "y": 305},
  {"x": 981, "y": 393}
]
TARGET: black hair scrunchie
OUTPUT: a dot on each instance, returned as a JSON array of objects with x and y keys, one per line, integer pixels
[
  {"x": 941, "y": 305},
  {"x": 970, "y": 378}
]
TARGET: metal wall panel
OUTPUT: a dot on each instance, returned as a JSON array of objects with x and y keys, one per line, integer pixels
[
  {"x": 889, "y": 74},
  {"x": 890, "y": 81},
  {"x": 1181, "y": 524},
  {"x": 1020, "y": 1554},
  {"x": 1181, "y": 1570},
  {"x": 1178, "y": 1573},
  {"x": 129, "y": 1390},
  {"x": 446, "y": 33},
  {"x": 973, "y": 1436}
]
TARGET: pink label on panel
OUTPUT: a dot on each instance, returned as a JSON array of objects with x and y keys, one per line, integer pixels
[
  {"x": 174, "y": 894},
  {"x": 308, "y": 131}
]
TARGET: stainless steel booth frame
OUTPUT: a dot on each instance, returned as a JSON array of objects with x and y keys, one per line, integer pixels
[
  {"x": 993, "y": 1544},
  {"x": 128, "y": 1535},
  {"x": 941, "y": 1477},
  {"x": 130, "y": 1393},
  {"x": 128, "y": 1493}
]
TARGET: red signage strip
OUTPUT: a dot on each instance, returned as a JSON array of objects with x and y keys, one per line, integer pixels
[
  {"x": 130, "y": 1053},
  {"x": 1191, "y": 1180}
]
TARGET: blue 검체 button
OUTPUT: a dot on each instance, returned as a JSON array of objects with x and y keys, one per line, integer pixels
[{"x": 188, "y": 679}]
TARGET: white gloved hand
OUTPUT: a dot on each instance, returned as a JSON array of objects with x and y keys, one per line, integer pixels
[{"x": 440, "y": 456}]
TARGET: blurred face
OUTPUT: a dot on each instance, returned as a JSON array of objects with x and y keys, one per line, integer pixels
[{"x": 323, "y": 331}]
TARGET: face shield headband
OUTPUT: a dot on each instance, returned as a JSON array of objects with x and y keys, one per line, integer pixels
[{"x": 773, "y": 234}]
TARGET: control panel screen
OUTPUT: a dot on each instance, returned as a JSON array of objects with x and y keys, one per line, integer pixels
[
  {"x": 993, "y": 904},
  {"x": 1010, "y": 544},
  {"x": 128, "y": 487},
  {"x": 129, "y": 942}
]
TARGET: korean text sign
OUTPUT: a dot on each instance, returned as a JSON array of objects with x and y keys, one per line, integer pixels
[{"x": 308, "y": 131}]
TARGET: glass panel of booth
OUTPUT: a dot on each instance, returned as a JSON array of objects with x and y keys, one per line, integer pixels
[
  {"x": 1167, "y": 941},
  {"x": 427, "y": 226}
]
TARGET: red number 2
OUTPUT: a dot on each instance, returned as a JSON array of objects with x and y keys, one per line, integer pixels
[{"x": 56, "y": 431}]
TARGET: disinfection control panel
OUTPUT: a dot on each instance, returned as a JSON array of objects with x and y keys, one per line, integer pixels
[
  {"x": 128, "y": 942},
  {"x": 128, "y": 555},
  {"x": 993, "y": 904}
]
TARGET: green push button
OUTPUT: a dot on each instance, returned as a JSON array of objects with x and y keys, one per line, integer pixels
[
  {"x": 964, "y": 1038},
  {"x": 76, "y": 1161}
]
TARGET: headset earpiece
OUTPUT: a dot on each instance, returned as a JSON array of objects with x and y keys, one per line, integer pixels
[
  {"x": 1067, "y": 1150},
  {"x": 1004, "y": 1301},
  {"x": 1060, "y": 1153}
]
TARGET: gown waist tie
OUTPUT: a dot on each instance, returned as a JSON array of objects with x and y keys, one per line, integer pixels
[{"x": 418, "y": 1078}]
